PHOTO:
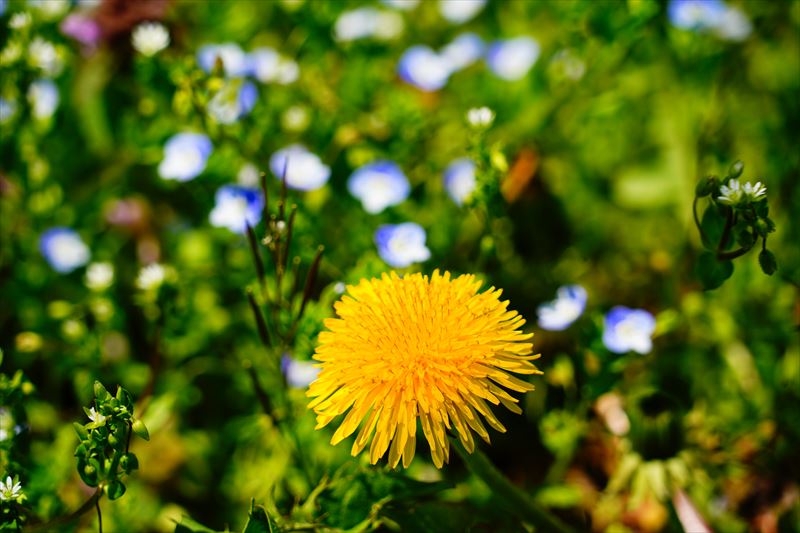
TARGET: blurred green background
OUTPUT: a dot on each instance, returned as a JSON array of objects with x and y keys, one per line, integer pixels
[{"x": 587, "y": 176}]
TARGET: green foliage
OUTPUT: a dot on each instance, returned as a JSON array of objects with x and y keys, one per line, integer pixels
[{"x": 103, "y": 454}]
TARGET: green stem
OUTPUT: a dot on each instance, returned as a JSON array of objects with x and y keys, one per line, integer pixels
[
  {"x": 697, "y": 220},
  {"x": 726, "y": 256},
  {"x": 99, "y": 516},
  {"x": 52, "y": 525},
  {"x": 517, "y": 500}
]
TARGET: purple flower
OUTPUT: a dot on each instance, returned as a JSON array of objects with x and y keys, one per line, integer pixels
[
  {"x": 236, "y": 208},
  {"x": 627, "y": 329},
  {"x": 401, "y": 245},
  {"x": 82, "y": 28},
  {"x": 379, "y": 185}
]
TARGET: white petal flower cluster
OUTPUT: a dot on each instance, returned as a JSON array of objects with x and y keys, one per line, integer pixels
[{"x": 736, "y": 193}]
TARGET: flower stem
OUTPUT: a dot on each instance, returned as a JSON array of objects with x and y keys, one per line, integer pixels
[
  {"x": 63, "y": 520},
  {"x": 521, "y": 502}
]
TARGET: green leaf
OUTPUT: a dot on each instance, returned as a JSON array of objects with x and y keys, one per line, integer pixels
[
  {"x": 768, "y": 262},
  {"x": 82, "y": 432},
  {"x": 712, "y": 224},
  {"x": 100, "y": 392},
  {"x": 711, "y": 272},
  {"x": 745, "y": 238},
  {"x": 187, "y": 525},
  {"x": 258, "y": 521}
]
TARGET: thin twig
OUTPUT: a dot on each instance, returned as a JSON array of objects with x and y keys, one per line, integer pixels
[
  {"x": 310, "y": 279},
  {"x": 261, "y": 325}
]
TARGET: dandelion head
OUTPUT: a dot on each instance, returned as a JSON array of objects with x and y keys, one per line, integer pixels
[{"x": 428, "y": 348}]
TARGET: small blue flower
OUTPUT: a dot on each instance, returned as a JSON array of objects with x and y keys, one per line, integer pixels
[
  {"x": 233, "y": 101},
  {"x": 236, "y": 207},
  {"x": 512, "y": 59},
  {"x": 63, "y": 249},
  {"x": 185, "y": 156},
  {"x": 299, "y": 374},
  {"x": 559, "y": 314},
  {"x": 459, "y": 179},
  {"x": 401, "y": 245},
  {"x": 463, "y": 51},
  {"x": 422, "y": 67},
  {"x": 235, "y": 61},
  {"x": 43, "y": 97},
  {"x": 696, "y": 14},
  {"x": 304, "y": 170},
  {"x": 627, "y": 329},
  {"x": 379, "y": 185},
  {"x": 8, "y": 108},
  {"x": 460, "y": 11}
]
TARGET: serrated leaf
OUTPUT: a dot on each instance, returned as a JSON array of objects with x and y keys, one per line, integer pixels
[
  {"x": 768, "y": 262},
  {"x": 712, "y": 272}
]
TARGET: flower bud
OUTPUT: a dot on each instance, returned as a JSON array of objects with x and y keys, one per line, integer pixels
[
  {"x": 736, "y": 170},
  {"x": 706, "y": 186}
]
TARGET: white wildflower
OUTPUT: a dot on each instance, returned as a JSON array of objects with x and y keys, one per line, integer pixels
[
  {"x": 480, "y": 117},
  {"x": 10, "y": 490},
  {"x": 150, "y": 38}
]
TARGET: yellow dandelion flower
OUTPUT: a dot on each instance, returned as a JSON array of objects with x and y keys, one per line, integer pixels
[{"x": 418, "y": 347}]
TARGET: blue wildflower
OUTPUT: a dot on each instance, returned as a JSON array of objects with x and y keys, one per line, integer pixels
[
  {"x": 299, "y": 374},
  {"x": 422, "y": 67},
  {"x": 462, "y": 51},
  {"x": 235, "y": 61},
  {"x": 513, "y": 58},
  {"x": 233, "y": 101},
  {"x": 236, "y": 207},
  {"x": 185, "y": 156},
  {"x": 400, "y": 245},
  {"x": 304, "y": 170},
  {"x": 63, "y": 249},
  {"x": 43, "y": 97},
  {"x": 8, "y": 108},
  {"x": 696, "y": 14},
  {"x": 379, "y": 185},
  {"x": 559, "y": 314},
  {"x": 459, "y": 179},
  {"x": 627, "y": 329}
]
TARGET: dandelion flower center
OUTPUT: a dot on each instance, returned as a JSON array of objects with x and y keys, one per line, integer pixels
[{"x": 432, "y": 349}]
